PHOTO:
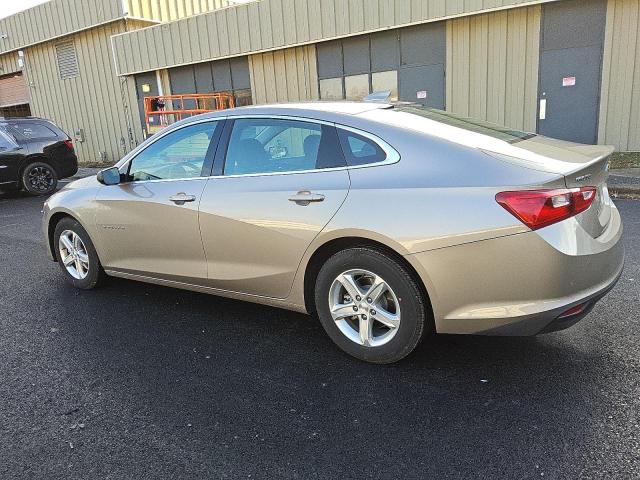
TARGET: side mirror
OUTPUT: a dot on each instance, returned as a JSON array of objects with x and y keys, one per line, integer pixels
[{"x": 109, "y": 176}]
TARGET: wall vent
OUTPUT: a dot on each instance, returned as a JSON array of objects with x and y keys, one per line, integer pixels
[{"x": 67, "y": 60}]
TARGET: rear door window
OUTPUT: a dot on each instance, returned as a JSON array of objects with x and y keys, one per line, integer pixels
[
  {"x": 270, "y": 145},
  {"x": 33, "y": 131},
  {"x": 360, "y": 150}
]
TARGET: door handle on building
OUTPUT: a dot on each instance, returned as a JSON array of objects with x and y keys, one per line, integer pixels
[
  {"x": 182, "y": 198},
  {"x": 543, "y": 109},
  {"x": 305, "y": 197}
]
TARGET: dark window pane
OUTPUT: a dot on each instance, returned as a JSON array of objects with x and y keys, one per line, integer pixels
[
  {"x": 360, "y": 150},
  {"x": 204, "y": 78},
  {"x": 221, "y": 75},
  {"x": 240, "y": 73},
  {"x": 329, "y": 59},
  {"x": 356, "y": 55},
  {"x": 385, "y": 50},
  {"x": 423, "y": 44},
  {"x": 243, "y": 98}
]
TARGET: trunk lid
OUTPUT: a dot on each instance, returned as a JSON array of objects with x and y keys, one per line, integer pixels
[{"x": 581, "y": 166}]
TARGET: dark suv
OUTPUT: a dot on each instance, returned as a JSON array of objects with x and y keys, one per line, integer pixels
[{"x": 34, "y": 154}]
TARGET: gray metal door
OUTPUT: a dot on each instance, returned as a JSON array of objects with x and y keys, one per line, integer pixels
[
  {"x": 423, "y": 84},
  {"x": 422, "y": 65},
  {"x": 146, "y": 86},
  {"x": 571, "y": 70}
]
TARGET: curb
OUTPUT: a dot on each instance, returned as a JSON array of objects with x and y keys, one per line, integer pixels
[{"x": 632, "y": 193}]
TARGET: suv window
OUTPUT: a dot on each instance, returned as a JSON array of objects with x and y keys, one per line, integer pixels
[
  {"x": 275, "y": 145},
  {"x": 6, "y": 143},
  {"x": 33, "y": 130},
  {"x": 360, "y": 150},
  {"x": 179, "y": 154}
]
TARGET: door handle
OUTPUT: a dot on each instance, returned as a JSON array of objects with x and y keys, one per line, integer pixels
[
  {"x": 305, "y": 197},
  {"x": 182, "y": 198}
]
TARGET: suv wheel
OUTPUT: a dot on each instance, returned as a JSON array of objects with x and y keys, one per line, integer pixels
[
  {"x": 76, "y": 255},
  {"x": 370, "y": 305},
  {"x": 39, "y": 179}
]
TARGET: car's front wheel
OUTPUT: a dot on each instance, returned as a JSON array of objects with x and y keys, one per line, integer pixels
[
  {"x": 370, "y": 305},
  {"x": 76, "y": 255},
  {"x": 39, "y": 178}
]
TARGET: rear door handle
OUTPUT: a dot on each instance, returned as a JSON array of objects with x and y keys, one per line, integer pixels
[
  {"x": 182, "y": 198},
  {"x": 305, "y": 197}
]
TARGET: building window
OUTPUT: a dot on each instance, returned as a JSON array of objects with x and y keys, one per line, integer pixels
[
  {"x": 221, "y": 76},
  {"x": 356, "y": 87},
  {"x": 383, "y": 81},
  {"x": 354, "y": 67},
  {"x": 67, "y": 60},
  {"x": 331, "y": 89}
]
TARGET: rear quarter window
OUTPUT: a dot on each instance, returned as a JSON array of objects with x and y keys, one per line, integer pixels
[
  {"x": 360, "y": 150},
  {"x": 33, "y": 131}
]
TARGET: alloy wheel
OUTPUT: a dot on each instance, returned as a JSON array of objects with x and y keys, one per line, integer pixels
[
  {"x": 364, "y": 308},
  {"x": 73, "y": 254},
  {"x": 40, "y": 179}
]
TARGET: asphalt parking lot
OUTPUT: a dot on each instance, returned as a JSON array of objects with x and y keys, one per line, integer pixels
[{"x": 141, "y": 381}]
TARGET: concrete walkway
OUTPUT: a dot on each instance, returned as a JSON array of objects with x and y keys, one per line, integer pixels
[{"x": 625, "y": 182}]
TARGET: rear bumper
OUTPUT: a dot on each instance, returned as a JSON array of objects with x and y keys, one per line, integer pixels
[
  {"x": 520, "y": 284},
  {"x": 66, "y": 167}
]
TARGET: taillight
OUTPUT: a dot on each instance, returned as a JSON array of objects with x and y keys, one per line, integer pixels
[
  {"x": 541, "y": 208},
  {"x": 69, "y": 143}
]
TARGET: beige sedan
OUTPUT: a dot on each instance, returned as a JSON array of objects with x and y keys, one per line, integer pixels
[{"x": 388, "y": 222}]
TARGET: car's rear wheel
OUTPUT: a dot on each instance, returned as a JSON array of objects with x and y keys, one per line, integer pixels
[
  {"x": 370, "y": 305},
  {"x": 76, "y": 255},
  {"x": 39, "y": 178}
]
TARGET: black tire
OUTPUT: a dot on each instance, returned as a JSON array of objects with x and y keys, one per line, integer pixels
[
  {"x": 95, "y": 274},
  {"x": 415, "y": 320},
  {"x": 39, "y": 178}
]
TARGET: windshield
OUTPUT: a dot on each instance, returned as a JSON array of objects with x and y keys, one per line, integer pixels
[{"x": 472, "y": 125}]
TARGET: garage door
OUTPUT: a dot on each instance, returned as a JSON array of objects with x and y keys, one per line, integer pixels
[{"x": 13, "y": 90}]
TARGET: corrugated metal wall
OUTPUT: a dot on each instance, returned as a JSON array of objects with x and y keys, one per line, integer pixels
[
  {"x": 284, "y": 75},
  {"x": 273, "y": 24},
  {"x": 53, "y": 19},
  {"x": 620, "y": 101},
  {"x": 169, "y": 10},
  {"x": 492, "y": 66},
  {"x": 97, "y": 101}
]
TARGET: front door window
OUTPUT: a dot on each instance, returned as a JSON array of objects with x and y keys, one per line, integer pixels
[{"x": 178, "y": 155}]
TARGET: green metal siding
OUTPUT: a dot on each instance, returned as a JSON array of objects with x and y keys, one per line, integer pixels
[{"x": 276, "y": 24}]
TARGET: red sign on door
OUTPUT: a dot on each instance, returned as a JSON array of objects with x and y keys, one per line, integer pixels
[{"x": 569, "y": 81}]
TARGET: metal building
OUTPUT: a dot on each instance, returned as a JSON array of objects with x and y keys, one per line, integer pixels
[
  {"x": 56, "y": 62},
  {"x": 565, "y": 68}
]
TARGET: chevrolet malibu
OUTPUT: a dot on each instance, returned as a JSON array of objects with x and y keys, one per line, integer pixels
[{"x": 388, "y": 222}]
